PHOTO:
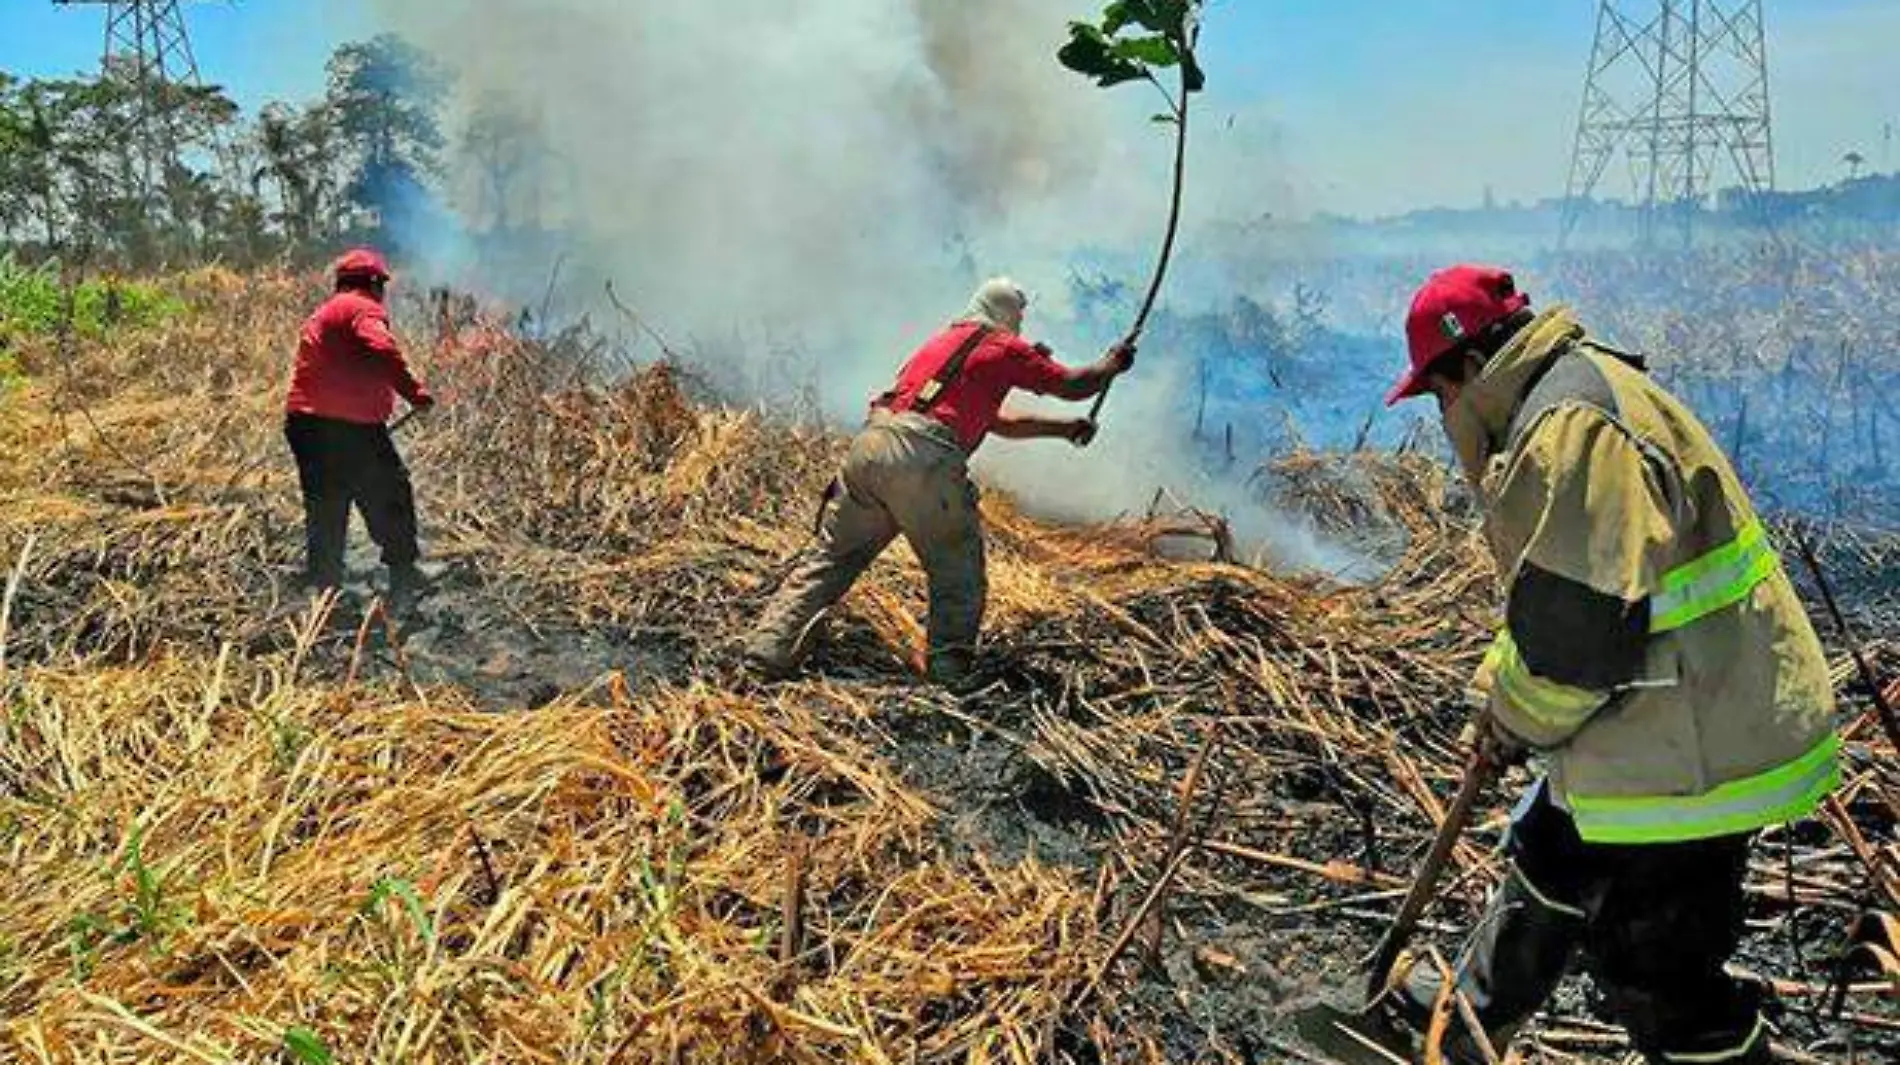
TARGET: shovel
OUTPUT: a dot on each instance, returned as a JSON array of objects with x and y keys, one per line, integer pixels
[{"x": 1354, "y": 1036}]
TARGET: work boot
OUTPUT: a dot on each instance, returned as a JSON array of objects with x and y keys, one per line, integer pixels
[
  {"x": 407, "y": 585},
  {"x": 767, "y": 663},
  {"x": 767, "y": 668},
  {"x": 954, "y": 671},
  {"x": 1758, "y": 1051},
  {"x": 317, "y": 581},
  {"x": 1515, "y": 957},
  {"x": 1665, "y": 1033}
]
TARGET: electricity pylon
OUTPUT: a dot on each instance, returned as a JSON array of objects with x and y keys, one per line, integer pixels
[
  {"x": 147, "y": 41},
  {"x": 1680, "y": 87}
]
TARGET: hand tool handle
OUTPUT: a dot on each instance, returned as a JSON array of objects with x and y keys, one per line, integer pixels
[
  {"x": 1483, "y": 771},
  {"x": 1133, "y": 337},
  {"x": 404, "y": 418},
  {"x": 1889, "y": 721}
]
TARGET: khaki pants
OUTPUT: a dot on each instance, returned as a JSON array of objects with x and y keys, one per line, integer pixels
[{"x": 904, "y": 474}]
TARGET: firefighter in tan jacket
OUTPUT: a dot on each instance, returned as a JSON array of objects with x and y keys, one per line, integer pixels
[{"x": 1654, "y": 652}]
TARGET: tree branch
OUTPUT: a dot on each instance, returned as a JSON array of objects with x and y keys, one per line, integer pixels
[
  {"x": 1174, "y": 207},
  {"x": 1173, "y": 107}
]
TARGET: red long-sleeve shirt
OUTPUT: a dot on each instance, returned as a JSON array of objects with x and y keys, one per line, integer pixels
[
  {"x": 349, "y": 366},
  {"x": 971, "y": 403}
]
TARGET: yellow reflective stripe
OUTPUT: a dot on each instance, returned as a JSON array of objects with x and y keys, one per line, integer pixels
[
  {"x": 1731, "y": 1054},
  {"x": 1788, "y": 791},
  {"x": 1555, "y": 706},
  {"x": 1750, "y": 535},
  {"x": 1718, "y": 579}
]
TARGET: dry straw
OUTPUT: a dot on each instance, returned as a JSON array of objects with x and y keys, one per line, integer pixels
[{"x": 236, "y": 829}]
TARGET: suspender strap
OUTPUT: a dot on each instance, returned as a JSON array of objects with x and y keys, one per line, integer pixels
[{"x": 932, "y": 391}]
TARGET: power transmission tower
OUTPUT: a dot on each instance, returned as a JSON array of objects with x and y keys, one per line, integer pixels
[
  {"x": 147, "y": 40},
  {"x": 1680, "y": 87}
]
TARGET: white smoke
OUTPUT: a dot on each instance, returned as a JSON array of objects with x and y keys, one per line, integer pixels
[{"x": 831, "y": 178}]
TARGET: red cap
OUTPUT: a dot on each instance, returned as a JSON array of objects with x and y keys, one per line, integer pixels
[
  {"x": 363, "y": 262},
  {"x": 1454, "y": 305}
]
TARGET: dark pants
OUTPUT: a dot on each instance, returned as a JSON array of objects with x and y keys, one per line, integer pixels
[
  {"x": 340, "y": 464},
  {"x": 1654, "y": 924}
]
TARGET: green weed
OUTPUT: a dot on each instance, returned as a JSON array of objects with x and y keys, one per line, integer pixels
[
  {"x": 288, "y": 738},
  {"x": 395, "y": 887},
  {"x": 33, "y": 303},
  {"x": 151, "y": 914},
  {"x": 305, "y": 1048},
  {"x": 84, "y": 936}
]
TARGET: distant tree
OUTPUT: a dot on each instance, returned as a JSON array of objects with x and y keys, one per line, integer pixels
[
  {"x": 1854, "y": 161},
  {"x": 281, "y": 159},
  {"x": 296, "y": 150},
  {"x": 39, "y": 171},
  {"x": 195, "y": 123},
  {"x": 75, "y": 166},
  {"x": 1097, "y": 296},
  {"x": 21, "y": 160},
  {"x": 1274, "y": 342},
  {"x": 143, "y": 163},
  {"x": 502, "y": 146},
  {"x": 93, "y": 194},
  {"x": 386, "y": 96}
]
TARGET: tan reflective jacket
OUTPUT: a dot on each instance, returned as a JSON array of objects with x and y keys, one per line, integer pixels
[{"x": 1653, "y": 645}]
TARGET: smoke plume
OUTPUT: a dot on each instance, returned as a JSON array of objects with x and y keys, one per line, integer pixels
[{"x": 821, "y": 184}]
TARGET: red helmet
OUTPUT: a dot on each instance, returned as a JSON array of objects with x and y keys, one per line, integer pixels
[
  {"x": 1454, "y": 305},
  {"x": 366, "y": 263}
]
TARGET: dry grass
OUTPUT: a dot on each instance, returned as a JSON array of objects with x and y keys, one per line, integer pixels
[
  {"x": 214, "y": 863},
  {"x": 230, "y": 816}
]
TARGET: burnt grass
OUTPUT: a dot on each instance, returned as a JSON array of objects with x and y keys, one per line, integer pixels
[
  {"x": 593, "y": 536},
  {"x": 1244, "y": 946}
]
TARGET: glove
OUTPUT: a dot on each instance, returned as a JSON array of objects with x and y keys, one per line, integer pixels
[
  {"x": 1121, "y": 357},
  {"x": 422, "y": 400},
  {"x": 1498, "y": 745},
  {"x": 1080, "y": 432}
]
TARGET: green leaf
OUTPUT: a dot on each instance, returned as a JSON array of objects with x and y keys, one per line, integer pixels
[
  {"x": 1085, "y": 51},
  {"x": 1090, "y": 53},
  {"x": 1150, "y": 51},
  {"x": 305, "y": 1048},
  {"x": 1157, "y": 16},
  {"x": 1173, "y": 14},
  {"x": 397, "y": 887}
]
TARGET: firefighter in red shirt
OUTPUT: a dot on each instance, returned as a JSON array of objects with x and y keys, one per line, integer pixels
[
  {"x": 907, "y": 473},
  {"x": 343, "y": 389}
]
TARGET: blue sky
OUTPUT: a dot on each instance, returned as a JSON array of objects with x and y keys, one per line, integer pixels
[
  {"x": 1377, "y": 105},
  {"x": 1387, "y": 104},
  {"x": 260, "y": 49}
]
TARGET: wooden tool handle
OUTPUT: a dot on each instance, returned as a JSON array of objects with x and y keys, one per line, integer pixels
[{"x": 1483, "y": 771}]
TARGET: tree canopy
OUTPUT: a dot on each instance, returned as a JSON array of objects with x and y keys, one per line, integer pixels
[{"x": 112, "y": 170}]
